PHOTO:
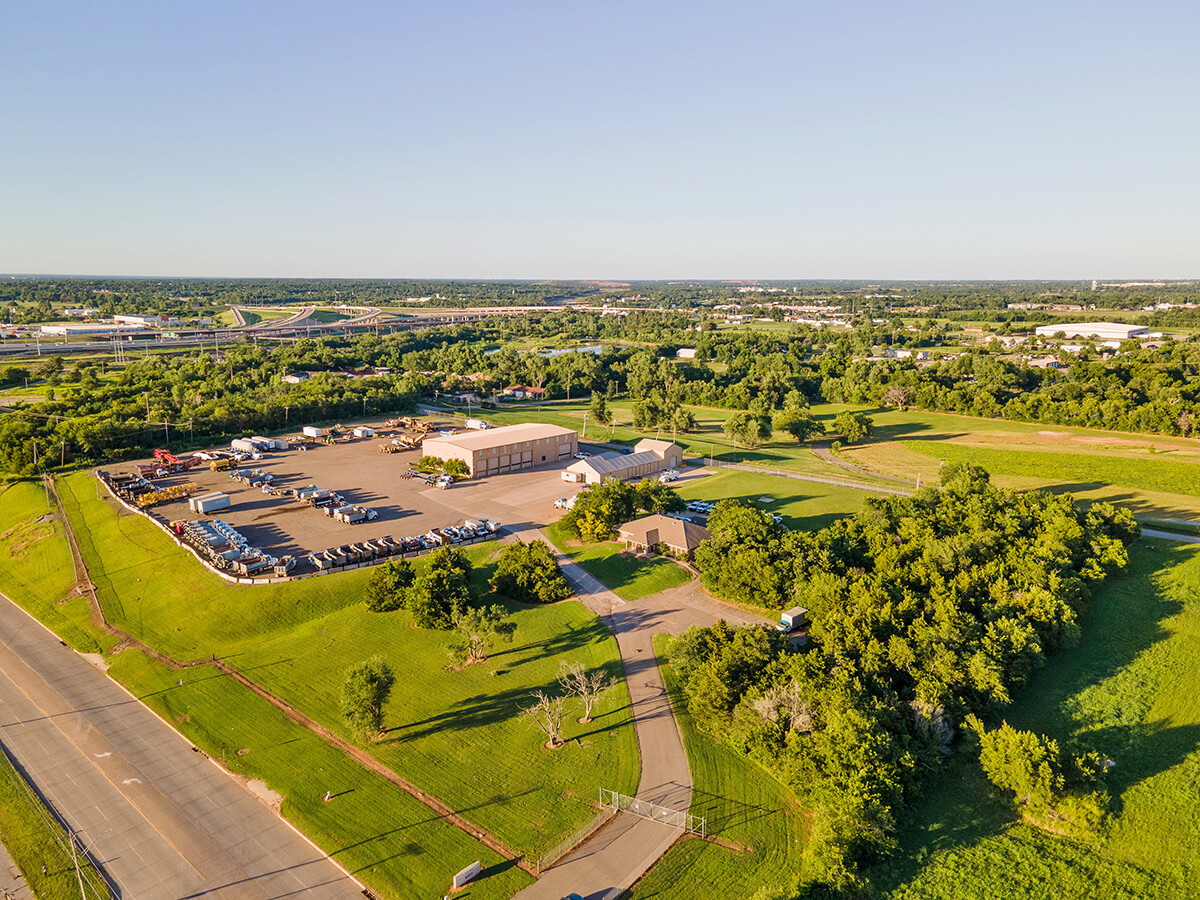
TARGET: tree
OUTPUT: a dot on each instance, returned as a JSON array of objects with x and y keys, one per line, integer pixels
[
  {"x": 800, "y": 424},
  {"x": 747, "y": 428},
  {"x": 530, "y": 573},
  {"x": 599, "y": 411},
  {"x": 387, "y": 588},
  {"x": 546, "y": 713},
  {"x": 654, "y": 496},
  {"x": 364, "y": 692},
  {"x": 599, "y": 508},
  {"x": 853, "y": 426},
  {"x": 1025, "y": 763},
  {"x": 898, "y": 395},
  {"x": 455, "y": 467},
  {"x": 476, "y": 629},
  {"x": 576, "y": 681},
  {"x": 441, "y": 594}
]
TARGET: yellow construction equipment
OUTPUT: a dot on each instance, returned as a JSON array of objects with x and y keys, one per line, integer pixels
[{"x": 166, "y": 495}]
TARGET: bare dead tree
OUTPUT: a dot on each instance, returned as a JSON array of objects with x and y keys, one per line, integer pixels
[
  {"x": 576, "y": 681},
  {"x": 546, "y": 713},
  {"x": 784, "y": 705},
  {"x": 933, "y": 726}
]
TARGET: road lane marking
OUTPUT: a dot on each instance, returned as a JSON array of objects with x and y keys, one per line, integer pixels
[{"x": 51, "y": 719}]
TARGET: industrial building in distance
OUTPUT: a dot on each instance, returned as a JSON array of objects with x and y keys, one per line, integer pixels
[
  {"x": 1105, "y": 331},
  {"x": 504, "y": 449}
]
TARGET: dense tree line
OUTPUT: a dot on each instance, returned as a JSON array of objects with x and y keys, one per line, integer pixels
[{"x": 924, "y": 610}]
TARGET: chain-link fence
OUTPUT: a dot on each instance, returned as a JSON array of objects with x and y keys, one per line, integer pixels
[
  {"x": 571, "y": 841},
  {"x": 647, "y": 810}
]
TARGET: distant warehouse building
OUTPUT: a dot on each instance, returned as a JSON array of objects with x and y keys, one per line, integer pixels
[
  {"x": 1105, "y": 331},
  {"x": 649, "y": 457},
  {"x": 505, "y": 449}
]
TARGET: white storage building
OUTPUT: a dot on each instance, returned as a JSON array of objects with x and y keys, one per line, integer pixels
[
  {"x": 649, "y": 457},
  {"x": 1105, "y": 331}
]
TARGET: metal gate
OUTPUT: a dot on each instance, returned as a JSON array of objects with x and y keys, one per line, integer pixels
[{"x": 647, "y": 810}]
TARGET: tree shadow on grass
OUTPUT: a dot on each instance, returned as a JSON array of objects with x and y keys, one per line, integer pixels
[{"x": 724, "y": 813}]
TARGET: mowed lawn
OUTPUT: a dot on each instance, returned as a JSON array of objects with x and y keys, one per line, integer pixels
[
  {"x": 1155, "y": 476},
  {"x": 802, "y": 504},
  {"x": 1129, "y": 690},
  {"x": 742, "y": 804},
  {"x": 35, "y": 565},
  {"x": 629, "y": 576},
  {"x": 458, "y": 735},
  {"x": 393, "y": 843}
]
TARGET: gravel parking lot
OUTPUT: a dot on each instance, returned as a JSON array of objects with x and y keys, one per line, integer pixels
[{"x": 520, "y": 501}]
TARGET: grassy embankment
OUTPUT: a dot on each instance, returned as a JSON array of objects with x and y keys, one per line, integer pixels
[
  {"x": 1129, "y": 690},
  {"x": 447, "y": 729},
  {"x": 628, "y": 576},
  {"x": 743, "y": 805}
]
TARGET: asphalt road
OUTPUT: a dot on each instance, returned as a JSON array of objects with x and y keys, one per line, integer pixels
[{"x": 162, "y": 820}]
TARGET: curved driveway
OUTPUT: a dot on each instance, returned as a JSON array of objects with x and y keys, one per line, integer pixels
[{"x": 622, "y": 851}]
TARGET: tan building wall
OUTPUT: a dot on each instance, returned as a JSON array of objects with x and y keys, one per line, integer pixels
[{"x": 511, "y": 452}]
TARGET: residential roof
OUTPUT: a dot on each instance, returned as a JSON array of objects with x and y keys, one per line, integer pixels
[
  {"x": 505, "y": 434},
  {"x": 613, "y": 465},
  {"x": 658, "y": 528}
]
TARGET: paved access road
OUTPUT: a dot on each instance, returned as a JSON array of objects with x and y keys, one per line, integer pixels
[
  {"x": 621, "y": 852},
  {"x": 162, "y": 820}
]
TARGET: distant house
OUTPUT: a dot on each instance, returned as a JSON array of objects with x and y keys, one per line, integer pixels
[
  {"x": 519, "y": 392},
  {"x": 295, "y": 378},
  {"x": 681, "y": 538},
  {"x": 686, "y": 353}
]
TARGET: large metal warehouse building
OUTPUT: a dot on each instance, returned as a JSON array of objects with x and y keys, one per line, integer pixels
[
  {"x": 504, "y": 449},
  {"x": 1106, "y": 331},
  {"x": 648, "y": 458}
]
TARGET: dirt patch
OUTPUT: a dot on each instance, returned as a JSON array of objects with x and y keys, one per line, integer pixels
[{"x": 23, "y": 536}]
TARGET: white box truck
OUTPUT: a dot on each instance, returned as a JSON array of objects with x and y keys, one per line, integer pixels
[
  {"x": 477, "y": 424},
  {"x": 792, "y": 619}
]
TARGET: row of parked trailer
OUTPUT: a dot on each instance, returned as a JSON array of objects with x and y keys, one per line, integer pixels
[
  {"x": 380, "y": 548},
  {"x": 142, "y": 492},
  {"x": 226, "y": 548}
]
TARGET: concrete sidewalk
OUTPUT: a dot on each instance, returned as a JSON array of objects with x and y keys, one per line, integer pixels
[{"x": 162, "y": 820}]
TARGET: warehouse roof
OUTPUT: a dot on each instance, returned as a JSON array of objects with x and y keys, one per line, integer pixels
[
  {"x": 614, "y": 465},
  {"x": 506, "y": 434}
]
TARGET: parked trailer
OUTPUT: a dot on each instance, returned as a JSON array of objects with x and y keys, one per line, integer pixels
[
  {"x": 209, "y": 503},
  {"x": 312, "y": 431},
  {"x": 477, "y": 424}
]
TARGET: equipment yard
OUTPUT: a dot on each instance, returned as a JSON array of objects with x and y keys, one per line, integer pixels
[{"x": 274, "y": 521}]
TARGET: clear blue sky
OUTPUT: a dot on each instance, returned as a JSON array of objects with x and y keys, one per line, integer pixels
[{"x": 601, "y": 139}]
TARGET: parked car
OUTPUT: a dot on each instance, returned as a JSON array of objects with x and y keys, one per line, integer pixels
[{"x": 583, "y": 455}]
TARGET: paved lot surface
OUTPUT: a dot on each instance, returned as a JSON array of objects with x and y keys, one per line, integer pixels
[
  {"x": 162, "y": 820},
  {"x": 364, "y": 476},
  {"x": 627, "y": 847}
]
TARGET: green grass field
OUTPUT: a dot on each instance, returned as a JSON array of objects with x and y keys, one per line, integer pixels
[
  {"x": 1129, "y": 690},
  {"x": 743, "y": 805},
  {"x": 34, "y": 839},
  {"x": 629, "y": 577},
  {"x": 458, "y": 735},
  {"x": 35, "y": 566},
  {"x": 379, "y": 833},
  {"x": 802, "y": 504}
]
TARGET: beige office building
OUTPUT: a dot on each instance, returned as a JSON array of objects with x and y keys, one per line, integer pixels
[{"x": 505, "y": 449}]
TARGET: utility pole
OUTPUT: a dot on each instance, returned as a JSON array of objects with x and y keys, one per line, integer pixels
[{"x": 78, "y": 873}]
